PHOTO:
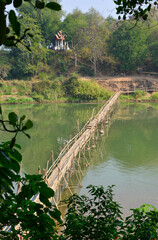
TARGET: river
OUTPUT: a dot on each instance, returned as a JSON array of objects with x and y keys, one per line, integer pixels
[{"x": 127, "y": 158}]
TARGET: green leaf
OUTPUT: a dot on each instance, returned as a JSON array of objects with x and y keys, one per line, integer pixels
[
  {"x": 17, "y": 3},
  {"x": 22, "y": 118},
  {"x": 44, "y": 200},
  {"x": 0, "y": 109},
  {"x": 7, "y": 30},
  {"x": 14, "y": 154},
  {"x": 13, "y": 118},
  {"x": 14, "y": 23},
  {"x": 56, "y": 214},
  {"x": 28, "y": 124},
  {"x": 17, "y": 146},
  {"x": 39, "y": 4},
  {"x": 8, "y": 42},
  {"x": 48, "y": 192},
  {"x": 8, "y": 2},
  {"x": 53, "y": 6},
  {"x": 15, "y": 166}
]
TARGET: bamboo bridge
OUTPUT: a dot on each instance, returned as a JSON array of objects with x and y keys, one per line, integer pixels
[
  {"x": 61, "y": 168},
  {"x": 75, "y": 147}
]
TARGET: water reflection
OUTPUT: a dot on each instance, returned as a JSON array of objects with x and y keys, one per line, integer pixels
[
  {"x": 128, "y": 158},
  {"x": 54, "y": 124}
]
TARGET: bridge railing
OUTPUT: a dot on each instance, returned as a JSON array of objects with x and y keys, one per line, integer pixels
[
  {"x": 143, "y": 89},
  {"x": 72, "y": 140}
]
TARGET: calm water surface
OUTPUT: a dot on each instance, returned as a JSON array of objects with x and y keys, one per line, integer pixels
[
  {"x": 54, "y": 124},
  {"x": 127, "y": 158}
]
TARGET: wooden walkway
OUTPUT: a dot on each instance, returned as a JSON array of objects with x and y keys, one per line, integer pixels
[
  {"x": 65, "y": 159},
  {"x": 57, "y": 172}
]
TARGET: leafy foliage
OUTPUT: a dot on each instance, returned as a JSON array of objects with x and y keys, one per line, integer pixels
[
  {"x": 139, "y": 9},
  {"x": 99, "y": 217},
  {"x": 11, "y": 36},
  {"x": 84, "y": 90},
  {"x": 90, "y": 218},
  {"x": 130, "y": 49},
  {"x": 19, "y": 214},
  {"x": 139, "y": 94}
]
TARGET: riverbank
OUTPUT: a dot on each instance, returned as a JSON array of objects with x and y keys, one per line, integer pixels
[{"x": 72, "y": 89}]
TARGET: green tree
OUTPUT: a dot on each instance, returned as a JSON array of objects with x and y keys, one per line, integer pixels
[
  {"x": 95, "y": 36},
  {"x": 11, "y": 35},
  {"x": 25, "y": 62},
  {"x": 48, "y": 21},
  {"x": 152, "y": 45},
  {"x": 128, "y": 46},
  {"x": 74, "y": 25}
]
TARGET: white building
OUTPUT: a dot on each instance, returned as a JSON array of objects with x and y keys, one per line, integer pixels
[{"x": 60, "y": 43}]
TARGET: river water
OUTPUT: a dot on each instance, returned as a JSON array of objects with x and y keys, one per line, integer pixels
[{"x": 127, "y": 158}]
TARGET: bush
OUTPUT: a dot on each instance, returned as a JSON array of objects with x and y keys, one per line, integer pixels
[
  {"x": 6, "y": 89},
  {"x": 139, "y": 94},
  {"x": 71, "y": 84},
  {"x": 105, "y": 94},
  {"x": 85, "y": 90},
  {"x": 26, "y": 100},
  {"x": 154, "y": 96},
  {"x": 126, "y": 97},
  {"x": 89, "y": 90},
  {"x": 38, "y": 97},
  {"x": 11, "y": 100},
  {"x": 100, "y": 217},
  {"x": 43, "y": 76},
  {"x": 39, "y": 87}
]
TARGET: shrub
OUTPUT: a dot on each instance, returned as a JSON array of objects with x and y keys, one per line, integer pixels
[
  {"x": 105, "y": 94},
  {"x": 99, "y": 217},
  {"x": 71, "y": 84},
  {"x": 43, "y": 76},
  {"x": 25, "y": 100},
  {"x": 11, "y": 100},
  {"x": 126, "y": 97},
  {"x": 39, "y": 87},
  {"x": 154, "y": 96},
  {"x": 87, "y": 91},
  {"x": 139, "y": 94},
  {"x": 53, "y": 95},
  {"x": 38, "y": 97},
  {"x": 6, "y": 89}
]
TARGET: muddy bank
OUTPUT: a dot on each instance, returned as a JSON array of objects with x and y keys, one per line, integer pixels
[{"x": 129, "y": 83}]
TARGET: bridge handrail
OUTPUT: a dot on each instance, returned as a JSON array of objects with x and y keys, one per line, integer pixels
[
  {"x": 72, "y": 140},
  {"x": 145, "y": 89}
]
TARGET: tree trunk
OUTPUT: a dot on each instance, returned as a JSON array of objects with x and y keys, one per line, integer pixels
[
  {"x": 75, "y": 60},
  {"x": 95, "y": 65}
]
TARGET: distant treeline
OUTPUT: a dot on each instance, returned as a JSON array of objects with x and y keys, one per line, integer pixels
[{"x": 98, "y": 46}]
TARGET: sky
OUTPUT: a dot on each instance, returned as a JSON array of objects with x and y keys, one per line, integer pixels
[{"x": 105, "y": 7}]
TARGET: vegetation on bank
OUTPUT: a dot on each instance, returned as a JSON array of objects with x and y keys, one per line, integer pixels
[
  {"x": 60, "y": 89},
  {"x": 140, "y": 96}
]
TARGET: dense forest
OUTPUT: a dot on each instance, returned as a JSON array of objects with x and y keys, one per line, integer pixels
[{"x": 98, "y": 46}]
